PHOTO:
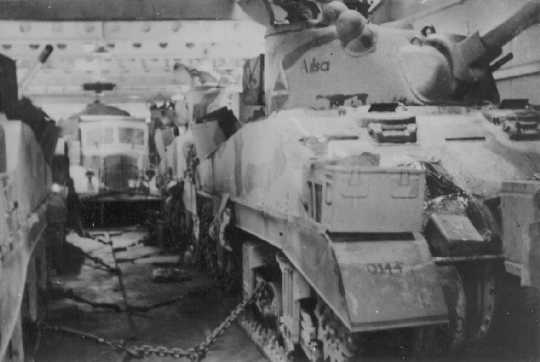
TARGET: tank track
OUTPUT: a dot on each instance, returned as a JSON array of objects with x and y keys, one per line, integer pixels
[
  {"x": 338, "y": 345},
  {"x": 332, "y": 341},
  {"x": 265, "y": 338}
]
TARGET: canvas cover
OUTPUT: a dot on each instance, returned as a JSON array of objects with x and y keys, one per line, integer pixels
[{"x": 23, "y": 194}]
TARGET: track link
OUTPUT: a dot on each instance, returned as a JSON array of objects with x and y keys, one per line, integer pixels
[{"x": 265, "y": 338}]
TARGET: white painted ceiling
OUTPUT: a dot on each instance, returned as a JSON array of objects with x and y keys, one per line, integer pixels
[{"x": 138, "y": 56}]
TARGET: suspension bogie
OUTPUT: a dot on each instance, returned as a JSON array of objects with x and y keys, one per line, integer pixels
[
  {"x": 298, "y": 318},
  {"x": 294, "y": 316}
]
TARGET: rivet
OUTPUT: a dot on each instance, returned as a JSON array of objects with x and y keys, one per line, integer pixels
[
  {"x": 176, "y": 26},
  {"x": 89, "y": 28}
]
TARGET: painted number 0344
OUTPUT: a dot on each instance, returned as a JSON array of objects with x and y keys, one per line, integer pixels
[{"x": 385, "y": 268}]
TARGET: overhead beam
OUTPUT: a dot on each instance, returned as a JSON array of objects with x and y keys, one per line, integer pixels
[
  {"x": 138, "y": 55},
  {"x": 184, "y": 39},
  {"x": 14, "y": 31},
  {"x": 119, "y": 10}
]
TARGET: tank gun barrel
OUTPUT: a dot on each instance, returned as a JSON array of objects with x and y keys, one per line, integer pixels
[
  {"x": 527, "y": 16},
  {"x": 470, "y": 56},
  {"x": 461, "y": 69}
]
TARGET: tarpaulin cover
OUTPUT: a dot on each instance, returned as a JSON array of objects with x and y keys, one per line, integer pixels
[{"x": 24, "y": 187}]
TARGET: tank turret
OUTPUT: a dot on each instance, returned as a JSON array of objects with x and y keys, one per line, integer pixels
[{"x": 316, "y": 48}]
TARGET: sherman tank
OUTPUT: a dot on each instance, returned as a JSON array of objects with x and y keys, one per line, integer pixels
[{"x": 374, "y": 204}]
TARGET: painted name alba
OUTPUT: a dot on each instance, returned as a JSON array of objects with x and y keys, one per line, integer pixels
[{"x": 315, "y": 65}]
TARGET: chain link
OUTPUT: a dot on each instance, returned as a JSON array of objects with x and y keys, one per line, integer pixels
[
  {"x": 119, "y": 346},
  {"x": 140, "y": 351}
]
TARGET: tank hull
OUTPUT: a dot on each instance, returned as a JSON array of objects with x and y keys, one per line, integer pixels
[
  {"x": 356, "y": 220},
  {"x": 23, "y": 198},
  {"x": 263, "y": 163},
  {"x": 375, "y": 264}
]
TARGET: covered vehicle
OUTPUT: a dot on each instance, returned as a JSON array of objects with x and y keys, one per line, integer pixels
[
  {"x": 109, "y": 152},
  {"x": 27, "y": 142}
]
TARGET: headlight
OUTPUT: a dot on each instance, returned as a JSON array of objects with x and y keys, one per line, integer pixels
[{"x": 57, "y": 188}]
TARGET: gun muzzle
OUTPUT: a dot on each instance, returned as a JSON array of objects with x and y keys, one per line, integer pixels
[{"x": 45, "y": 53}]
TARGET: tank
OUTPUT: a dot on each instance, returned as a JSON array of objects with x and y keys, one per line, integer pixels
[
  {"x": 373, "y": 205},
  {"x": 27, "y": 142}
]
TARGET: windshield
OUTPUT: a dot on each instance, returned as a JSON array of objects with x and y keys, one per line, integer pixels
[
  {"x": 131, "y": 136},
  {"x": 97, "y": 136}
]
